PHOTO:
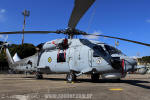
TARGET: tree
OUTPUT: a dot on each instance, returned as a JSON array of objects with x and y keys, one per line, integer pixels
[
  {"x": 23, "y": 51},
  {"x": 144, "y": 59}
]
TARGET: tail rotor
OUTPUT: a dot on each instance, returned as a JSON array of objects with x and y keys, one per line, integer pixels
[{"x": 4, "y": 43}]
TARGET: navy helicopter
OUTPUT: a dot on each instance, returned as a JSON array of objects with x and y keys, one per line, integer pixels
[{"x": 75, "y": 57}]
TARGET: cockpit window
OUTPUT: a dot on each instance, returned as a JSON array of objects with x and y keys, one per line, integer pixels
[
  {"x": 98, "y": 51},
  {"x": 112, "y": 50}
]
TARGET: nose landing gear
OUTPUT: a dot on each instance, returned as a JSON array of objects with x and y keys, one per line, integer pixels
[
  {"x": 95, "y": 77},
  {"x": 39, "y": 76},
  {"x": 71, "y": 77}
]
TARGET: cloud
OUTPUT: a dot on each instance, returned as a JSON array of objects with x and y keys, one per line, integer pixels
[
  {"x": 2, "y": 15},
  {"x": 2, "y": 10},
  {"x": 1, "y": 36},
  {"x": 92, "y": 36},
  {"x": 2, "y": 18},
  {"x": 148, "y": 20}
]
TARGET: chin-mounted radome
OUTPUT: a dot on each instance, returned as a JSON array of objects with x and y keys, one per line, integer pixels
[{"x": 124, "y": 65}]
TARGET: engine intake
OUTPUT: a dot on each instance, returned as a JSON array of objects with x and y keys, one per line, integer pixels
[{"x": 116, "y": 63}]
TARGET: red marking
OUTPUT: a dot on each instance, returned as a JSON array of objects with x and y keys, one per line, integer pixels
[
  {"x": 65, "y": 41},
  {"x": 53, "y": 42},
  {"x": 122, "y": 66},
  {"x": 65, "y": 54},
  {"x": 58, "y": 54}
]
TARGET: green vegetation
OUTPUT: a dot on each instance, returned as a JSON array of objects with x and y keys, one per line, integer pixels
[
  {"x": 23, "y": 51},
  {"x": 145, "y": 59}
]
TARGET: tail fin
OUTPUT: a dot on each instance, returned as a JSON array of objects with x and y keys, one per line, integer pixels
[
  {"x": 9, "y": 58},
  {"x": 16, "y": 57}
]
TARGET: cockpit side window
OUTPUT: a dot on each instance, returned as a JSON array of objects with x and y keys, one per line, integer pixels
[
  {"x": 61, "y": 56},
  {"x": 112, "y": 50},
  {"x": 98, "y": 51}
]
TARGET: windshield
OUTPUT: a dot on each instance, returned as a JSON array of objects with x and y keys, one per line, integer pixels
[
  {"x": 112, "y": 50},
  {"x": 98, "y": 50}
]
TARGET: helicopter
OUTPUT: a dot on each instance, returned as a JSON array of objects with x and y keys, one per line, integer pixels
[{"x": 75, "y": 57}]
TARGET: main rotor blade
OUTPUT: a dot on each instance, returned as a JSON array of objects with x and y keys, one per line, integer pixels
[
  {"x": 29, "y": 32},
  {"x": 137, "y": 42},
  {"x": 81, "y": 6}
]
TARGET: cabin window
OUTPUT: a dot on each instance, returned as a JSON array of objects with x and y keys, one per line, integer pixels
[
  {"x": 98, "y": 51},
  {"x": 61, "y": 57},
  {"x": 112, "y": 50}
]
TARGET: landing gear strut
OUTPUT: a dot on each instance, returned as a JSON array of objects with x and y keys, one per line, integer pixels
[
  {"x": 39, "y": 76},
  {"x": 95, "y": 77},
  {"x": 71, "y": 77}
]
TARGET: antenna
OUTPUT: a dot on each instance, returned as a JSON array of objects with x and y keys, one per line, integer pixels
[
  {"x": 116, "y": 44},
  {"x": 25, "y": 13}
]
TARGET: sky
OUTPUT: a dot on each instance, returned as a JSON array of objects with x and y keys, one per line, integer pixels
[{"x": 128, "y": 19}]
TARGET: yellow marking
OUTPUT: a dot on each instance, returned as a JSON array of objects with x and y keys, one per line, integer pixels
[
  {"x": 49, "y": 59},
  {"x": 72, "y": 82},
  {"x": 29, "y": 80},
  {"x": 116, "y": 89},
  {"x": 69, "y": 82}
]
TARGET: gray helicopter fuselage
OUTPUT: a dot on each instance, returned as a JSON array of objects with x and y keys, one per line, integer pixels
[
  {"x": 81, "y": 56},
  {"x": 75, "y": 56}
]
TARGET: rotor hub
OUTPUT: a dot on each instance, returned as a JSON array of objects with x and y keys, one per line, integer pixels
[{"x": 71, "y": 32}]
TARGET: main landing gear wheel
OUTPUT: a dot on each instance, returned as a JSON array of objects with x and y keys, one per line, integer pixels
[
  {"x": 70, "y": 77},
  {"x": 118, "y": 80},
  {"x": 39, "y": 76},
  {"x": 95, "y": 77}
]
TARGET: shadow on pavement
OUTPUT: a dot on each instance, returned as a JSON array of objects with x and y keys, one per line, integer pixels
[{"x": 136, "y": 82}]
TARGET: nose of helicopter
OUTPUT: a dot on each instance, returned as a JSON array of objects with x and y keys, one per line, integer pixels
[{"x": 130, "y": 64}]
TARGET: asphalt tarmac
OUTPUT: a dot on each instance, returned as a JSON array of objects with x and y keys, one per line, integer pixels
[{"x": 54, "y": 87}]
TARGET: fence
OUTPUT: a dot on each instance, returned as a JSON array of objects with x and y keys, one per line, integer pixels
[{"x": 4, "y": 69}]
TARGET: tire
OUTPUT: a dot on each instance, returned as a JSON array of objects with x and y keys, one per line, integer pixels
[
  {"x": 70, "y": 77},
  {"x": 95, "y": 77},
  {"x": 39, "y": 76},
  {"x": 118, "y": 80}
]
